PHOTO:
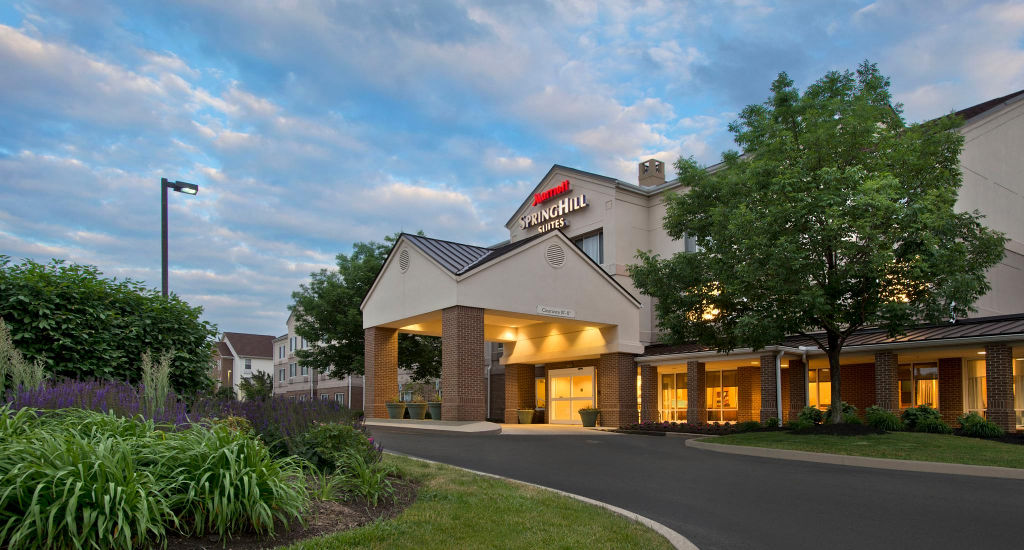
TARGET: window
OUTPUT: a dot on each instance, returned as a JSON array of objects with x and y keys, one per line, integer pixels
[
  {"x": 324, "y": 397},
  {"x": 305, "y": 370},
  {"x": 673, "y": 397},
  {"x": 302, "y": 397},
  {"x": 593, "y": 246},
  {"x": 721, "y": 396},
  {"x": 248, "y": 363},
  {"x": 689, "y": 243},
  {"x": 291, "y": 344},
  {"x": 975, "y": 388},
  {"x": 540, "y": 387},
  {"x": 280, "y": 375},
  {"x": 291, "y": 369},
  {"x": 819, "y": 388},
  {"x": 340, "y": 398},
  {"x": 280, "y": 352},
  {"x": 918, "y": 385},
  {"x": 407, "y": 396}
]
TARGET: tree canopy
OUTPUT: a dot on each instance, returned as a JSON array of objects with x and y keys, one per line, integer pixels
[
  {"x": 84, "y": 326},
  {"x": 837, "y": 216},
  {"x": 327, "y": 315}
]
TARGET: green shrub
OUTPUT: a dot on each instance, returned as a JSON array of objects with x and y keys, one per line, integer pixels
[
  {"x": 974, "y": 425},
  {"x": 800, "y": 426},
  {"x": 235, "y": 423},
  {"x": 326, "y": 445},
  {"x": 848, "y": 409},
  {"x": 748, "y": 426},
  {"x": 366, "y": 480},
  {"x": 882, "y": 419},
  {"x": 772, "y": 422},
  {"x": 81, "y": 479},
  {"x": 812, "y": 415},
  {"x": 933, "y": 426},
  {"x": 850, "y": 418},
  {"x": 921, "y": 413}
]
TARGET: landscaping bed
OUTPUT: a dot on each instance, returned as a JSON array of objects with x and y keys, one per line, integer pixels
[{"x": 711, "y": 428}]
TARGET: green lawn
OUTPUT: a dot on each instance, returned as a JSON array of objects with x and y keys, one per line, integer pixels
[
  {"x": 899, "y": 445},
  {"x": 457, "y": 509}
]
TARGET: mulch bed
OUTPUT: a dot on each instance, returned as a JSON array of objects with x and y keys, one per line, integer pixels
[{"x": 322, "y": 518}]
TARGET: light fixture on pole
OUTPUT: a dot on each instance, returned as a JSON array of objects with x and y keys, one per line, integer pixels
[{"x": 181, "y": 187}]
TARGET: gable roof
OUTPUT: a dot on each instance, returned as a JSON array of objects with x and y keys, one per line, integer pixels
[
  {"x": 986, "y": 106},
  {"x": 251, "y": 345},
  {"x": 223, "y": 349}
]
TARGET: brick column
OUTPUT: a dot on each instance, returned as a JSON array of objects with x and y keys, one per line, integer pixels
[
  {"x": 999, "y": 379},
  {"x": 696, "y": 408},
  {"x": 797, "y": 387},
  {"x": 648, "y": 393},
  {"x": 380, "y": 356},
  {"x": 463, "y": 387},
  {"x": 519, "y": 391},
  {"x": 769, "y": 389},
  {"x": 951, "y": 389},
  {"x": 886, "y": 387},
  {"x": 749, "y": 384},
  {"x": 616, "y": 389}
]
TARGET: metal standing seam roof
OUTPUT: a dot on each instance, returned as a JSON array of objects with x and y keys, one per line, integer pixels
[
  {"x": 459, "y": 258},
  {"x": 1001, "y": 325}
]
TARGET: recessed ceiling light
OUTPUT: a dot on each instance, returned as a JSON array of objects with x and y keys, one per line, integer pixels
[{"x": 981, "y": 353}]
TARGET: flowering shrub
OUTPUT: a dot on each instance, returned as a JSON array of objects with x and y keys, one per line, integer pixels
[{"x": 103, "y": 396}]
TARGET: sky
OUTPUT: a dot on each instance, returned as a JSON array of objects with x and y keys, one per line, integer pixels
[{"x": 310, "y": 125}]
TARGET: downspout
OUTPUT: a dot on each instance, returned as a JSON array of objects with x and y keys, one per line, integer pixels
[{"x": 778, "y": 384}]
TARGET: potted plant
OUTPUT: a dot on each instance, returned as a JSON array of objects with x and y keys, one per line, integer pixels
[
  {"x": 396, "y": 408},
  {"x": 525, "y": 416},
  {"x": 435, "y": 408},
  {"x": 589, "y": 416},
  {"x": 417, "y": 408}
]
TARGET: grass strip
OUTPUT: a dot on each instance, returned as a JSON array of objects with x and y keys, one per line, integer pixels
[
  {"x": 898, "y": 445},
  {"x": 458, "y": 509}
]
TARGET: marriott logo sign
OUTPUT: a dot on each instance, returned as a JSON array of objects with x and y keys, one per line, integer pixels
[{"x": 552, "y": 216}]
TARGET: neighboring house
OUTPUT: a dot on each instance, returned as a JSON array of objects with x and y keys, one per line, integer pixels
[
  {"x": 574, "y": 332},
  {"x": 296, "y": 382},
  {"x": 240, "y": 355}
]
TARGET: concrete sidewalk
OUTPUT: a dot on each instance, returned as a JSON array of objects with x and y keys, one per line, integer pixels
[{"x": 448, "y": 426}]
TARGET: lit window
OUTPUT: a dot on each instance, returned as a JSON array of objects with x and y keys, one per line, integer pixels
[
  {"x": 975, "y": 388},
  {"x": 722, "y": 396},
  {"x": 593, "y": 246},
  {"x": 540, "y": 390},
  {"x": 819, "y": 388},
  {"x": 673, "y": 397},
  {"x": 918, "y": 385}
]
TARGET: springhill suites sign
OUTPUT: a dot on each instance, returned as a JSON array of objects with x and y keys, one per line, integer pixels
[{"x": 552, "y": 216}]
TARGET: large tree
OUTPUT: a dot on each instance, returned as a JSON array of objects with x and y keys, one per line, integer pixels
[
  {"x": 327, "y": 315},
  {"x": 837, "y": 216}
]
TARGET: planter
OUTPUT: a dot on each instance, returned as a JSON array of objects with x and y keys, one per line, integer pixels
[
  {"x": 589, "y": 417},
  {"x": 417, "y": 411},
  {"x": 435, "y": 410},
  {"x": 525, "y": 416},
  {"x": 396, "y": 410}
]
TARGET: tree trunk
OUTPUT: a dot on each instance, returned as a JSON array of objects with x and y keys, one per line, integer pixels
[{"x": 833, "y": 365}]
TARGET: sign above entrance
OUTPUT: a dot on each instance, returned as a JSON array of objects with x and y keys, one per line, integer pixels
[
  {"x": 552, "y": 217},
  {"x": 557, "y": 312}
]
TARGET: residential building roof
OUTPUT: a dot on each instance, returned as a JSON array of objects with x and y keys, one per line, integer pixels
[
  {"x": 223, "y": 349},
  {"x": 984, "y": 106},
  {"x": 251, "y": 345},
  {"x": 459, "y": 258}
]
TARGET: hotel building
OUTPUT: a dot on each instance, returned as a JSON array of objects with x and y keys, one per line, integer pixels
[
  {"x": 555, "y": 308},
  {"x": 295, "y": 381}
]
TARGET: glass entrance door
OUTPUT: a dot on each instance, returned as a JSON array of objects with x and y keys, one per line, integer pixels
[{"x": 569, "y": 391}]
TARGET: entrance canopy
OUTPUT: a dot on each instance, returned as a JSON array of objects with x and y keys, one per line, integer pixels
[{"x": 542, "y": 297}]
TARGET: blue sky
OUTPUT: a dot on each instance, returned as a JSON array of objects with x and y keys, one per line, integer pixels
[{"x": 311, "y": 125}]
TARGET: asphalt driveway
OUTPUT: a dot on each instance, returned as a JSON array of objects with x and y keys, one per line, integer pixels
[{"x": 737, "y": 502}]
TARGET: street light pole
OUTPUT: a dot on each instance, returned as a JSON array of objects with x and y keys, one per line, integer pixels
[{"x": 181, "y": 187}]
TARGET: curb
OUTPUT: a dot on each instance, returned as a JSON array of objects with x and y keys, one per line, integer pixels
[
  {"x": 862, "y": 461},
  {"x": 474, "y": 428},
  {"x": 677, "y": 540}
]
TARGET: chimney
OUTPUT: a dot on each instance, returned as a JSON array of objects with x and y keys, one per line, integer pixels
[{"x": 651, "y": 173}]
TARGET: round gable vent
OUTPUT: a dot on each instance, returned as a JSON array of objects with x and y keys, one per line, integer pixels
[
  {"x": 555, "y": 255},
  {"x": 403, "y": 260}
]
